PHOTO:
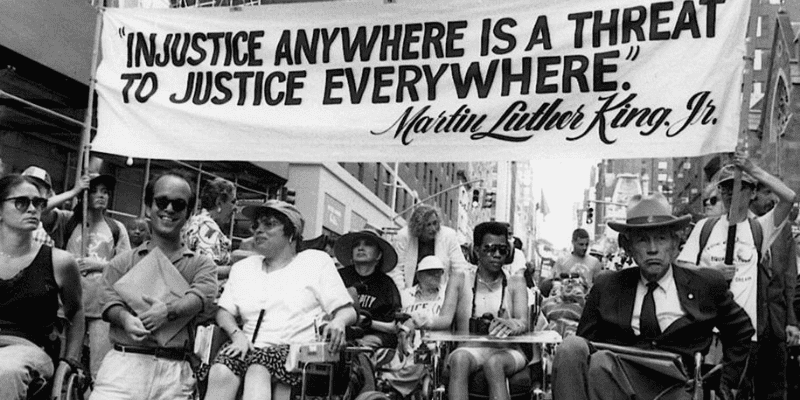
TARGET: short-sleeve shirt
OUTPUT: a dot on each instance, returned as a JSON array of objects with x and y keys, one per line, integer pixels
[
  {"x": 199, "y": 271},
  {"x": 412, "y": 305},
  {"x": 100, "y": 246},
  {"x": 202, "y": 234},
  {"x": 378, "y": 294},
  {"x": 293, "y": 298},
  {"x": 745, "y": 256},
  {"x": 587, "y": 266}
]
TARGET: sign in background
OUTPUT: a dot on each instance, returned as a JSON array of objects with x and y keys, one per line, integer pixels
[{"x": 422, "y": 80}]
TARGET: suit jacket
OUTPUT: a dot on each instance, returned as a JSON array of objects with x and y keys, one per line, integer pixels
[
  {"x": 777, "y": 276},
  {"x": 705, "y": 298},
  {"x": 446, "y": 247}
]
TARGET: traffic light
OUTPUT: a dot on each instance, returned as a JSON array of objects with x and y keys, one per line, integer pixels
[
  {"x": 589, "y": 215},
  {"x": 488, "y": 200},
  {"x": 476, "y": 198},
  {"x": 288, "y": 195}
]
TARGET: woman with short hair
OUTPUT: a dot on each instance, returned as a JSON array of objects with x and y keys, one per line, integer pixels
[{"x": 279, "y": 294}]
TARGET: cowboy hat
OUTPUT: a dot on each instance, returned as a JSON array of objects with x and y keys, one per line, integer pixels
[
  {"x": 345, "y": 244},
  {"x": 649, "y": 212}
]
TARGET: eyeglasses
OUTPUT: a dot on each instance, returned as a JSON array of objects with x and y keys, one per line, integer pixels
[
  {"x": 163, "y": 202},
  {"x": 502, "y": 248},
  {"x": 268, "y": 222},
  {"x": 711, "y": 201},
  {"x": 22, "y": 203}
]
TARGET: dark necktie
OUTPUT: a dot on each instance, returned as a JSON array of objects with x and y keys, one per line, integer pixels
[{"x": 648, "y": 323}]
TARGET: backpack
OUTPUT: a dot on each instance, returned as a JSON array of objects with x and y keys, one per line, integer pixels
[
  {"x": 74, "y": 222},
  {"x": 755, "y": 228}
]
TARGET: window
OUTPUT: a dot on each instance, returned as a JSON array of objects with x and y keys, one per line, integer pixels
[
  {"x": 416, "y": 170},
  {"x": 760, "y": 26},
  {"x": 662, "y": 165},
  {"x": 757, "y": 61},
  {"x": 662, "y": 177},
  {"x": 387, "y": 187},
  {"x": 360, "y": 171},
  {"x": 376, "y": 179}
]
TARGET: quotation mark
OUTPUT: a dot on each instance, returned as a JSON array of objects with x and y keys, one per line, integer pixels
[
  {"x": 121, "y": 32},
  {"x": 632, "y": 53}
]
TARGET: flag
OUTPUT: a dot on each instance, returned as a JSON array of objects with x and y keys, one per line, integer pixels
[
  {"x": 776, "y": 112},
  {"x": 545, "y": 209}
]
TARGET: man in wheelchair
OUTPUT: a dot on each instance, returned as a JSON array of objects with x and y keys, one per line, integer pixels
[{"x": 655, "y": 306}]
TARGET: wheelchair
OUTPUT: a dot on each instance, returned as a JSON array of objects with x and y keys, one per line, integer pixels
[
  {"x": 699, "y": 385},
  {"x": 66, "y": 383},
  {"x": 350, "y": 376}
]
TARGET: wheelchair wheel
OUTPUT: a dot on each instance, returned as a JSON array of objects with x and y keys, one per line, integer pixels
[
  {"x": 66, "y": 385},
  {"x": 373, "y": 395},
  {"x": 73, "y": 389}
]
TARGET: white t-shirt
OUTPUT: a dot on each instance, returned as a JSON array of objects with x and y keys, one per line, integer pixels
[
  {"x": 428, "y": 308},
  {"x": 293, "y": 297},
  {"x": 745, "y": 256}
]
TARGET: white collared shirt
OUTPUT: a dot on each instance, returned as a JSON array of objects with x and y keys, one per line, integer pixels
[{"x": 668, "y": 305}]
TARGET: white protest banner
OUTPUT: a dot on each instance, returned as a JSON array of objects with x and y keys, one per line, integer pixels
[{"x": 422, "y": 80}]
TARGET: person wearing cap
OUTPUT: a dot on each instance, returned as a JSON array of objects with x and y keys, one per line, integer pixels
[
  {"x": 425, "y": 236},
  {"x": 105, "y": 238},
  {"x": 367, "y": 259},
  {"x": 53, "y": 227},
  {"x": 279, "y": 295},
  {"x": 657, "y": 305},
  {"x": 139, "y": 366},
  {"x": 742, "y": 274},
  {"x": 484, "y": 301},
  {"x": 422, "y": 302}
]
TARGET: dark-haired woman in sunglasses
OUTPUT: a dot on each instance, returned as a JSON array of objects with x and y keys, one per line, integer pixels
[{"x": 33, "y": 278}]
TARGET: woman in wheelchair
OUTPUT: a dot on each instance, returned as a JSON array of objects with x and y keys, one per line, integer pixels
[
  {"x": 422, "y": 302},
  {"x": 33, "y": 278},
  {"x": 277, "y": 294},
  {"x": 485, "y": 302},
  {"x": 368, "y": 258}
]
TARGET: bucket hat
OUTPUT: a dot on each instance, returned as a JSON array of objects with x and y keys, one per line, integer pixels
[{"x": 345, "y": 244}]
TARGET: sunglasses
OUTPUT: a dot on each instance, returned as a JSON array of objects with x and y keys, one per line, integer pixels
[
  {"x": 163, "y": 202},
  {"x": 502, "y": 248},
  {"x": 711, "y": 201},
  {"x": 22, "y": 203}
]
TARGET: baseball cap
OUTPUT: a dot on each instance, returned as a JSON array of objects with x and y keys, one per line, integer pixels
[
  {"x": 288, "y": 210},
  {"x": 107, "y": 180},
  {"x": 727, "y": 172},
  {"x": 39, "y": 174},
  {"x": 430, "y": 262}
]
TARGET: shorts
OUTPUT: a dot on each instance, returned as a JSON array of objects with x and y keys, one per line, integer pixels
[
  {"x": 481, "y": 355},
  {"x": 272, "y": 358}
]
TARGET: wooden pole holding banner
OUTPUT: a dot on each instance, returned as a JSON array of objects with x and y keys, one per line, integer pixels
[
  {"x": 734, "y": 215},
  {"x": 85, "y": 150}
]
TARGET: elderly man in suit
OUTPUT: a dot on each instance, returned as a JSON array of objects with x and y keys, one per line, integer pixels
[{"x": 655, "y": 306}]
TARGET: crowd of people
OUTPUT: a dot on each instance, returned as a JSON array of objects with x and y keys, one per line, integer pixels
[{"x": 128, "y": 299}]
